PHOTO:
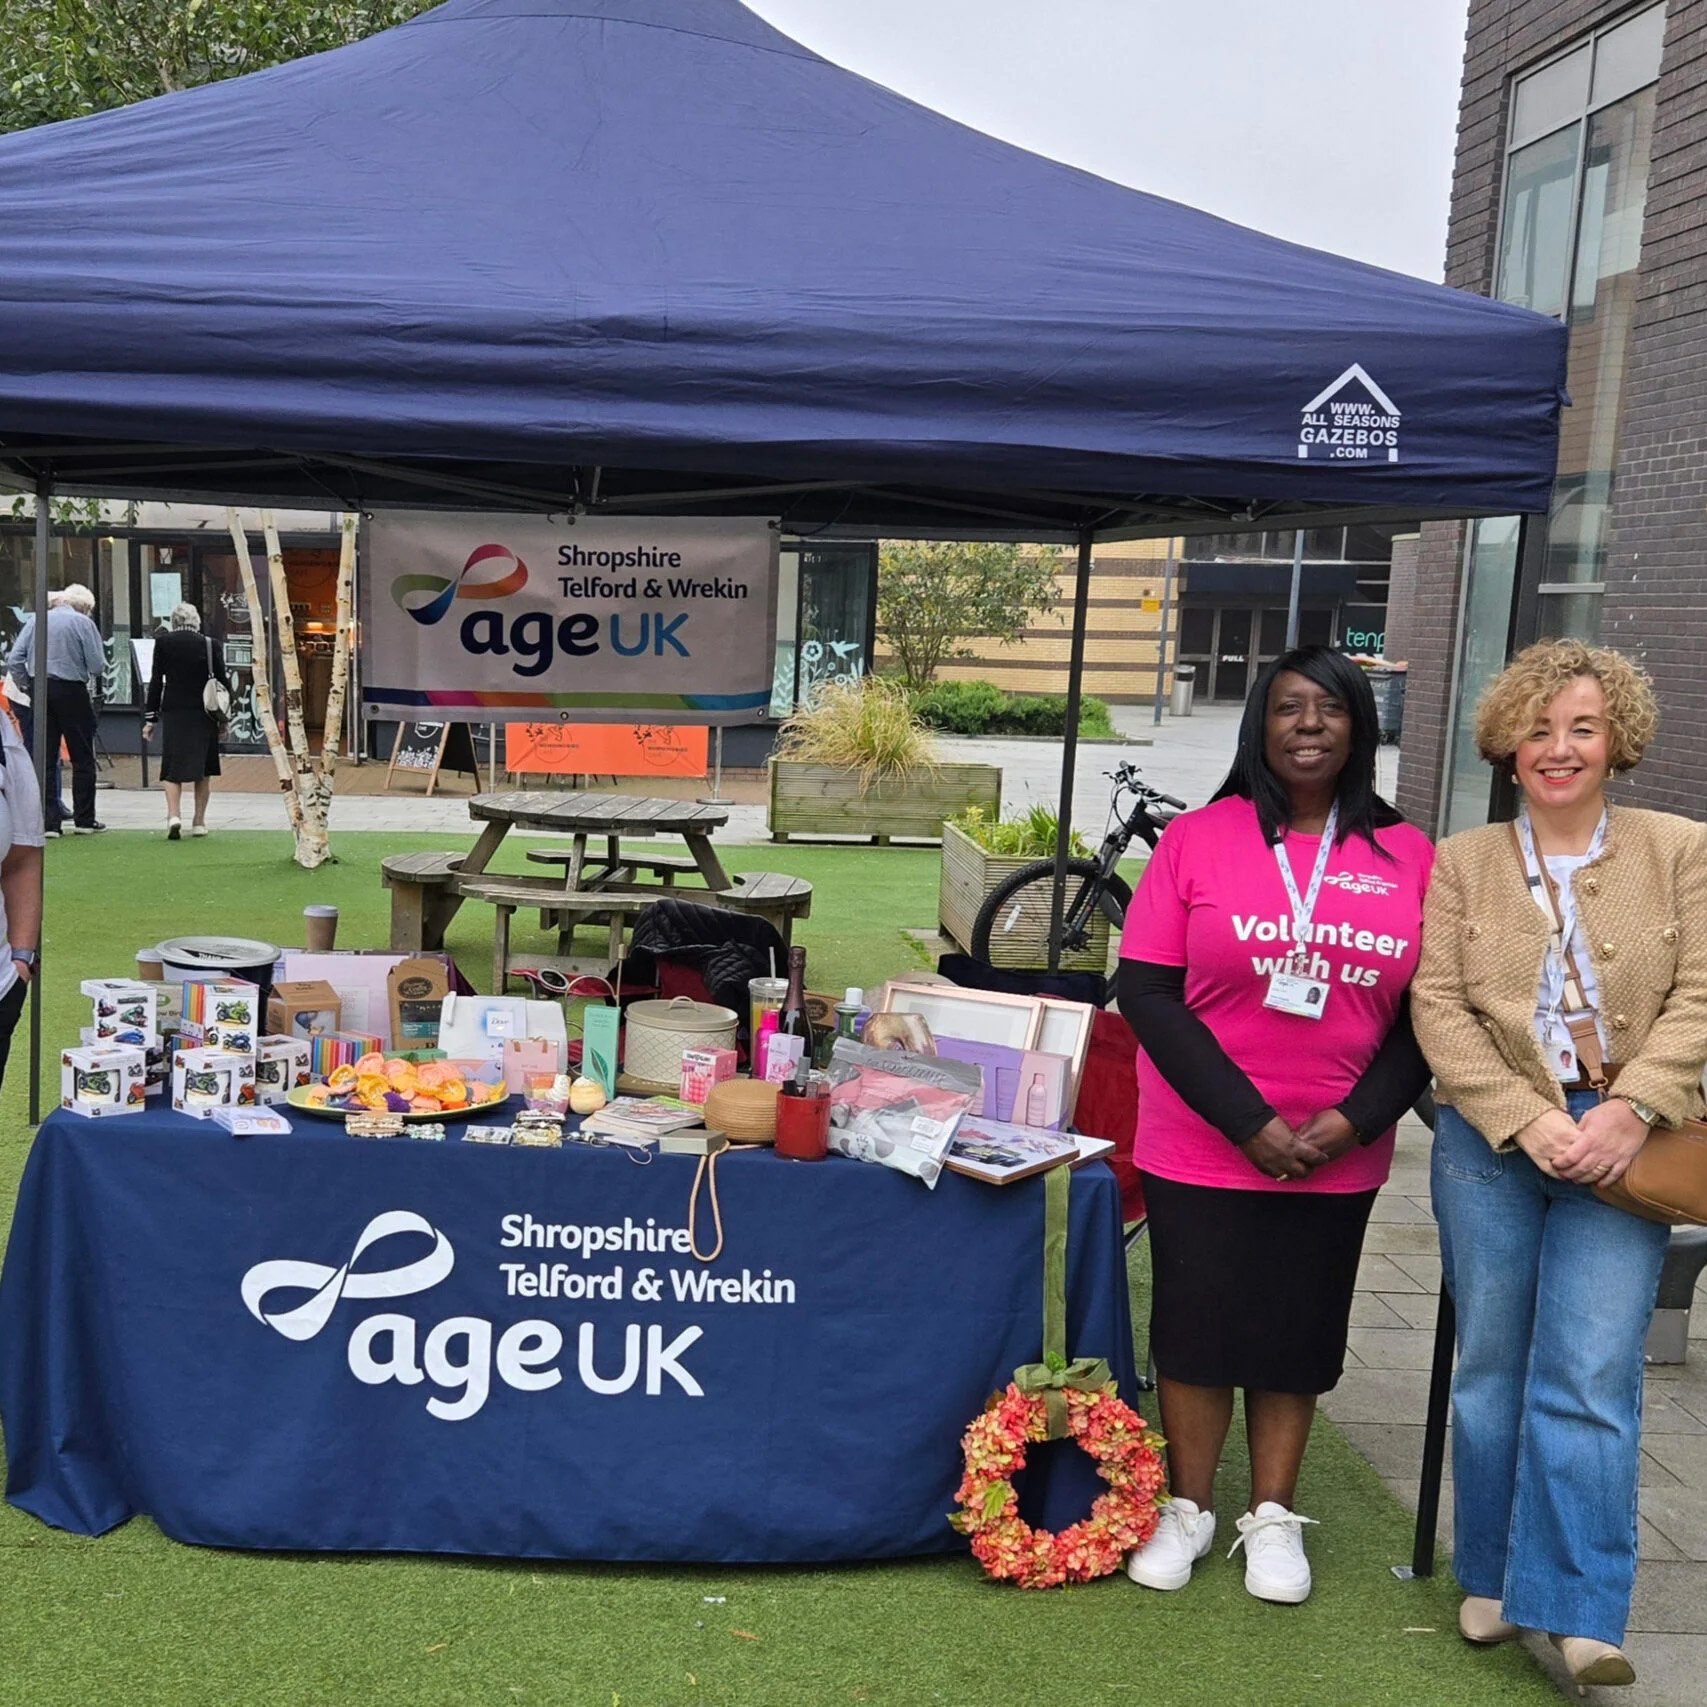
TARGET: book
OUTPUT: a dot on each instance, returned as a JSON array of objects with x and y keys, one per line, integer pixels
[
  {"x": 643, "y": 1117},
  {"x": 1000, "y": 1153}
]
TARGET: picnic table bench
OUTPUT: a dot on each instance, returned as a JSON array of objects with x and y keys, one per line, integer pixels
[{"x": 607, "y": 888}]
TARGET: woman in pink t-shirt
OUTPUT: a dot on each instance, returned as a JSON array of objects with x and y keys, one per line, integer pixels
[{"x": 1264, "y": 969}]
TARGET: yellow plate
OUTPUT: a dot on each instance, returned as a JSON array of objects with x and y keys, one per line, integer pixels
[{"x": 298, "y": 1099}]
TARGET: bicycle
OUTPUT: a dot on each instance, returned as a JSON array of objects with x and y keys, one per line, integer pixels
[{"x": 1016, "y": 913}]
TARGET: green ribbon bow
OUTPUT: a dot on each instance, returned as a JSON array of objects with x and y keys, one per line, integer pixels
[{"x": 1055, "y": 1374}]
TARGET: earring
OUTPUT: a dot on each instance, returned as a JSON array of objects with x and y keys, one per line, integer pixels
[{"x": 1612, "y": 774}]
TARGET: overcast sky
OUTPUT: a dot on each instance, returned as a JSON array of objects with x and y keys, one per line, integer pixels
[{"x": 1329, "y": 122}]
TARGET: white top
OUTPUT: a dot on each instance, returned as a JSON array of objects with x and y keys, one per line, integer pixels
[
  {"x": 20, "y": 825},
  {"x": 1549, "y": 1020}
]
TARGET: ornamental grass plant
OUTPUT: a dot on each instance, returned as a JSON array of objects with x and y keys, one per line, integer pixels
[{"x": 868, "y": 727}]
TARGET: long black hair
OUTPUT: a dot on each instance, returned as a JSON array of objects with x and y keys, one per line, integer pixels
[{"x": 1362, "y": 810}]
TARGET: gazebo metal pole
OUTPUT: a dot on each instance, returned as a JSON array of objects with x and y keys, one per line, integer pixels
[
  {"x": 1070, "y": 748},
  {"x": 1434, "y": 1436},
  {"x": 38, "y": 703},
  {"x": 1293, "y": 597},
  {"x": 1162, "y": 636}
]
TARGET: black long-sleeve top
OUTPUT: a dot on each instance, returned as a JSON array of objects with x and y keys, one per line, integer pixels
[
  {"x": 1186, "y": 1053},
  {"x": 181, "y": 670}
]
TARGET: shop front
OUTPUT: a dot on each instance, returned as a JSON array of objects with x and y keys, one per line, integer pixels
[{"x": 139, "y": 573}]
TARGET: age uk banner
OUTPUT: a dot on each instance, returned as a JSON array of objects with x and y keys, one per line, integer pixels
[{"x": 491, "y": 618}]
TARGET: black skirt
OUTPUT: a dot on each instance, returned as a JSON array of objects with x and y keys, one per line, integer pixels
[
  {"x": 189, "y": 746},
  {"x": 1252, "y": 1288}
]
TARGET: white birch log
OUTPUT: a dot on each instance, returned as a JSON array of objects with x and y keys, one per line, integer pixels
[
  {"x": 313, "y": 846},
  {"x": 263, "y": 686},
  {"x": 332, "y": 734}
]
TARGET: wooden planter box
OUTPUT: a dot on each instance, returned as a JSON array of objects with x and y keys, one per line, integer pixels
[
  {"x": 969, "y": 874},
  {"x": 818, "y": 800}
]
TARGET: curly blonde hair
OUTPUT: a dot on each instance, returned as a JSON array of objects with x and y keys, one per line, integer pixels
[{"x": 1539, "y": 673}]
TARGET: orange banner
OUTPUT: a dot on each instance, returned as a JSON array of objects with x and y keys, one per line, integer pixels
[{"x": 605, "y": 749}]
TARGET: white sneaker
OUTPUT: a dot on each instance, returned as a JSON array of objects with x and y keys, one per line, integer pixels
[
  {"x": 1275, "y": 1566},
  {"x": 1184, "y": 1533}
]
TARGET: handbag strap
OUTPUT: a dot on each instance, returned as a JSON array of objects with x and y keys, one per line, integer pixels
[{"x": 1579, "y": 1016}]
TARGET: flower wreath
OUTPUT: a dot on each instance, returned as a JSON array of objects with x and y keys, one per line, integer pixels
[{"x": 1108, "y": 1429}]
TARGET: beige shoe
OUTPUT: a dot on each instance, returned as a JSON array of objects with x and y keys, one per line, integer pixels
[
  {"x": 1593, "y": 1662},
  {"x": 1479, "y": 1621}
]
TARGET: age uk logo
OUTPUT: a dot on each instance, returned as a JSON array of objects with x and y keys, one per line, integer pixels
[{"x": 491, "y": 572}]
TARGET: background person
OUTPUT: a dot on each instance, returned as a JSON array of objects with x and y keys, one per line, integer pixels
[
  {"x": 19, "y": 689},
  {"x": 76, "y": 659},
  {"x": 21, "y": 838},
  {"x": 184, "y": 660},
  {"x": 1553, "y": 1287},
  {"x": 1268, "y": 1090}
]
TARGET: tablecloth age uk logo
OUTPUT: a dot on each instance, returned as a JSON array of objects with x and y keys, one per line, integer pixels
[
  {"x": 533, "y": 639},
  {"x": 1350, "y": 420},
  {"x": 459, "y": 1354}
]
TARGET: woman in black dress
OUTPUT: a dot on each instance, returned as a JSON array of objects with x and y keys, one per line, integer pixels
[{"x": 183, "y": 661}]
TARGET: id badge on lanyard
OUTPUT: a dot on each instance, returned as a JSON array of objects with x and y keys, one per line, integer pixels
[
  {"x": 1558, "y": 908},
  {"x": 1293, "y": 991}
]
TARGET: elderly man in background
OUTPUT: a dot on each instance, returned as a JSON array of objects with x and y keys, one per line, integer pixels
[
  {"x": 19, "y": 692},
  {"x": 75, "y": 658}
]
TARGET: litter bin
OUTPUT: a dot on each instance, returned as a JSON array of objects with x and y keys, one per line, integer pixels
[
  {"x": 1389, "y": 688},
  {"x": 1185, "y": 688}
]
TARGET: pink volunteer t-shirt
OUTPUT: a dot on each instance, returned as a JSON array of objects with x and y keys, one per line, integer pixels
[{"x": 1212, "y": 900}]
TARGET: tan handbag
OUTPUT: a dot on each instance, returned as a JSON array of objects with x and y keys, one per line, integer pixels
[{"x": 1667, "y": 1178}]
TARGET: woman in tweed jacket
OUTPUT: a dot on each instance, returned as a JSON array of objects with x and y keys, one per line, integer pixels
[{"x": 1554, "y": 1287}]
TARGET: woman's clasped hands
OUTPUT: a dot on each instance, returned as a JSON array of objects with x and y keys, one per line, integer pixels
[
  {"x": 1594, "y": 1150},
  {"x": 1287, "y": 1154}
]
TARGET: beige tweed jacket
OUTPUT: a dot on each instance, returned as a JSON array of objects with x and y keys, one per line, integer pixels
[{"x": 1643, "y": 908}]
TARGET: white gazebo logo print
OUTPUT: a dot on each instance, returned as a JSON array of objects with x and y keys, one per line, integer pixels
[{"x": 1352, "y": 420}]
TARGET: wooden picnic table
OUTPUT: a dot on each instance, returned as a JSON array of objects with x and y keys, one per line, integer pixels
[
  {"x": 611, "y": 816},
  {"x": 598, "y": 887}
]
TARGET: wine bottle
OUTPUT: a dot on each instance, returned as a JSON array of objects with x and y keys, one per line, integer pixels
[{"x": 792, "y": 1021}]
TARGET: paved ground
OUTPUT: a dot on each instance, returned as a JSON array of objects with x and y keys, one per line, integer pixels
[
  {"x": 1380, "y": 1403},
  {"x": 1185, "y": 757}
]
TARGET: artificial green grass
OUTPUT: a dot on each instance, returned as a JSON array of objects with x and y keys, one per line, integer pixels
[{"x": 133, "y": 1617}]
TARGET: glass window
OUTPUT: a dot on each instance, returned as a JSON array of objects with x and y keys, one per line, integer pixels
[
  {"x": 1627, "y": 57},
  {"x": 1570, "y": 245},
  {"x": 1550, "y": 97},
  {"x": 836, "y": 585},
  {"x": 1535, "y": 233},
  {"x": 1323, "y": 545},
  {"x": 1273, "y": 641},
  {"x": 1492, "y": 572},
  {"x": 1196, "y": 631},
  {"x": 787, "y": 629}
]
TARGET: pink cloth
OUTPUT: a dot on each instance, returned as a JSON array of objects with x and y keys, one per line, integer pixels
[{"x": 1212, "y": 901}]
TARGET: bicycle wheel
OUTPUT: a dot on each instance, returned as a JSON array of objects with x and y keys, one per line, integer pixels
[{"x": 1012, "y": 927}]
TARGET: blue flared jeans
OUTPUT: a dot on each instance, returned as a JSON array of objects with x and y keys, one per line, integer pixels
[{"x": 1553, "y": 1290}]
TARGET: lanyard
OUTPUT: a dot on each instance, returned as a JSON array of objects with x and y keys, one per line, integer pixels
[
  {"x": 1562, "y": 991},
  {"x": 1304, "y": 906}
]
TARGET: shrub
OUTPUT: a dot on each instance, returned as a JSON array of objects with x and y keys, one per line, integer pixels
[
  {"x": 1029, "y": 836},
  {"x": 963, "y": 708},
  {"x": 982, "y": 708}
]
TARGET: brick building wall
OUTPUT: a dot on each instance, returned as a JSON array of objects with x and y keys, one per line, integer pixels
[
  {"x": 1656, "y": 571},
  {"x": 1401, "y": 597},
  {"x": 1121, "y": 636}
]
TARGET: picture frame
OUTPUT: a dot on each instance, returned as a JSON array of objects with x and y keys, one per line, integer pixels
[
  {"x": 1066, "y": 1030},
  {"x": 977, "y": 1016}
]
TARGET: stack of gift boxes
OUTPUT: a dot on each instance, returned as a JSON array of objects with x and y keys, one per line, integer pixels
[{"x": 201, "y": 1043}]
